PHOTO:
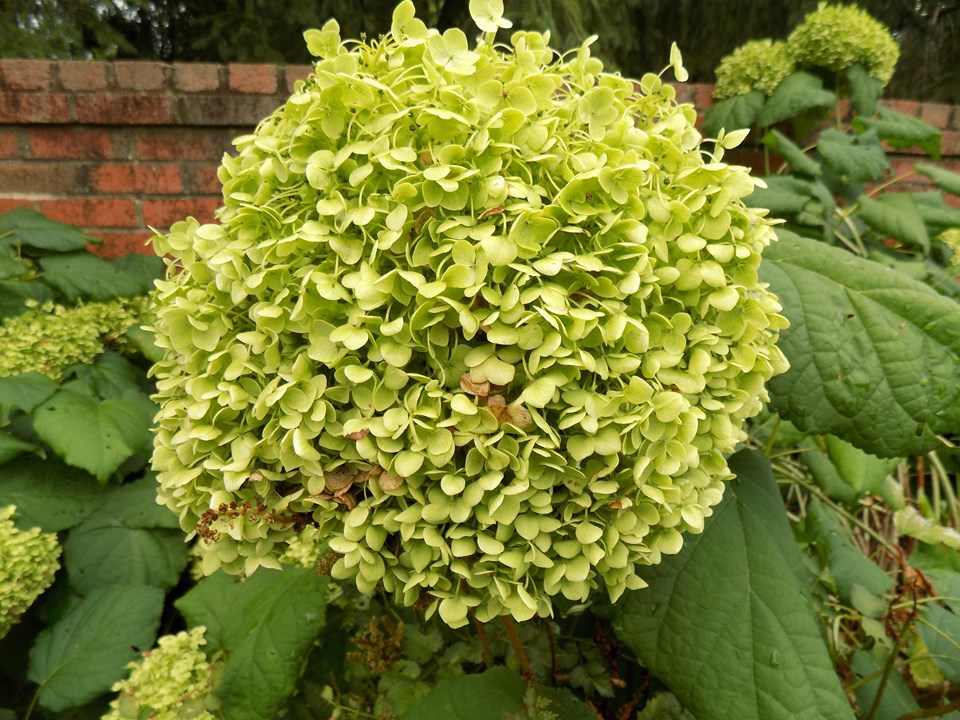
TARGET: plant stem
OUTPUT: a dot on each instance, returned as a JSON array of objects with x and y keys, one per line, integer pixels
[
  {"x": 484, "y": 642},
  {"x": 553, "y": 650},
  {"x": 773, "y": 436},
  {"x": 514, "y": 637},
  {"x": 31, "y": 706},
  {"x": 884, "y": 679},
  {"x": 931, "y": 712}
]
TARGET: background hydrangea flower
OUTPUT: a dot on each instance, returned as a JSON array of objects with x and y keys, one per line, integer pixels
[
  {"x": 836, "y": 36},
  {"x": 28, "y": 561},
  {"x": 171, "y": 682},
  {"x": 488, "y": 327},
  {"x": 755, "y": 65}
]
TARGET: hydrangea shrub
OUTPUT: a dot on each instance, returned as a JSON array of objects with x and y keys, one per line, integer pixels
[
  {"x": 30, "y": 559},
  {"x": 755, "y": 65},
  {"x": 484, "y": 320}
]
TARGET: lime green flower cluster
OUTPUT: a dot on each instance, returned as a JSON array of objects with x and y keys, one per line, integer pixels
[
  {"x": 755, "y": 65},
  {"x": 172, "y": 682},
  {"x": 50, "y": 338},
  {"x": 951, "y": 238},
  {"x": 28, "y": 561},
  {"x": 835, "y": 37},
  {"x": 486, "y": 319}
]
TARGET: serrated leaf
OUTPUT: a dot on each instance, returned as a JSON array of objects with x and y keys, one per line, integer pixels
[
  {"x": 48, "y": 494},
  {"x": 15, "y": 294},
  {"x": 94, "y": 436},
  {"x": 895, "y": 215},
  {"x": 902, "y": 131},
  {"x": 25, "y": 392},
  {"x": 784, "y": 195},
  {"x": 133, "y": 505},
  {"x": 12, "y": 267},
  {"x": 83, "y": 275},
  {"x": 857, "y": 158},
  {"x": 29, "y": 231},
  {"x": 146, "y": 268},
  {"x": 739, "y": 111},
  {"x": 565, "y": 705},
  {"x": 792, "y": 153},
  {"x": 848, "y": 566},
  {"x": 101, "y": 556},
  {"x": 83, "y": 654},
  {"x": 796, "y": 94},
  {"x": 12, "y": 446},
  {"x": 113, "y": 376},
  {"x": 266, "y": 625},
  {"x": 948, "y": 180},
  {"x": 726, "y": 623},
  {"x": 488, "y": 696},
  {"x": 940, "y": 631},
  {"x": 865, "y": 89},
  {"x": 873, "y": 354},
  {"x": 846, "y": 473},
  {"x": 936, "y": 214}
]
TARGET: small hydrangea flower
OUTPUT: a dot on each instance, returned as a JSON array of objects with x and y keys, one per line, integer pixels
[
  {"x": 756, "y": 65},
  {"x": 951, "y": 238},
  {"x": 835, "y": 37},
  {"x": 28, "y": 561},
  {"x": 172, "y": 682},
  {"x": 50, "y": 338}
]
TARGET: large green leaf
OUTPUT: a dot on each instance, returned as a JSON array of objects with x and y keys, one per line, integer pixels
[
  {"x": 493, "y": 695},
  {"x": 895, "y": 215},
  {"x": 735, "y": 113},
  {"x": 95, "y": 436},
  {"x": 896, "y": 698},
  {"x": 792, "y": 153},
  {"x": 83, "y": 275},
  {"x": 727, "y": 624},
  {"x": 12, "y": 446},
  {"x": 858, "y": 158},
  {"x": 14, "y": 295},
  {"x": 83, "y": 654},
  {"x": 112, "y": 376},
  {"x": 846, "y": 473},
  {"x": 784, "y": 195},
  {"x": 26, "y": 391},
  {"x": 48, "y": 494},
  {"x": 948, "y": 180},
  {"x": 865, "y": 89},
  {"x": 26, "y": 230},
  {"x": 940, "y": 631},
  {"x": 797, "y": 94},
  {"x": 902, "y": 131},
  {"x": 874, "y": 356},
  {"x": 266, "y": 626}
]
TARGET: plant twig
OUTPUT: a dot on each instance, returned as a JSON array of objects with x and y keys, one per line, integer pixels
[
  {"x": 548, "y": 624},
  {"x": 931, "y": 712},
  {"x": 484, "y": 641},
  {"x": 514, "y": 637}
]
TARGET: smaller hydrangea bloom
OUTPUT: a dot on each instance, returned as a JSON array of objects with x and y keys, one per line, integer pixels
[
  {"x": 756, "y": 65},
  {"x": 835, "y": 37},
  {"x": 172, "y": 682},
  {"x": 30, "y": 560},
  {"x": 951, "y": 238}
]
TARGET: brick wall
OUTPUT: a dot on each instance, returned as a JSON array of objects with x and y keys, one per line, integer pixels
[{"x": 118, "y": 147}]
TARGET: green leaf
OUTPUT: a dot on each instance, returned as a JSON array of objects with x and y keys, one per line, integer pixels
[
  {"x": 902, "y": 131},
  {"x": 940, "y": 631},
  {"x": 266, "y": 625},
  {"x": 94, "y": 436},
  {"x": 936, "y": 214},
  {"x": 496, "y": 693},
  {"x": 48, "y": 494},
  {"x": 857, "y": 158},
  {"x": 865, "y": 89},
  {"x": 792, "y": 153},
  {"x": 564, "y": 704},
  {"x": 13, "y": 268},
  {"x": 12, "y": 446},
  {"x": 25, "y": 392},
  {"x": 113, "y": 376},
  {"x": 739, "y": 111},
  {"x": 784, "y": 195},
  {"x": 846, "y": 473},
  {"x": 143, "y": 340},
  {"x": 796, "y": 94},
  {"x": 895, "y": 215},
  {"x": 948, "y": 180},
  {"x": 726, "y": 623},
  {"x": 84, "y": 275},
  {"x": 146, "y": 268},
  {"x": 873, "y": 354},
  {"x": 133, "y": 505},
  {"x": 15, "y": 294},
  {"x": 82, "y": 655},
  {"x": 848, "y": 566},
  {"x": 28, "y": 231},
  {"x": 896, "y": 700}
]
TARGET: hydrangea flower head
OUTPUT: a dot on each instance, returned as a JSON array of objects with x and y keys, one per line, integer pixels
[
  {"x": 755, "y": 65},
  {"x": 28, "y": 561}
]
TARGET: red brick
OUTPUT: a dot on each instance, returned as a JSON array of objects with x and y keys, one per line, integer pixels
[
  {"x": 50, "y": 144},
  {"x": 183, "y": 144},
  {"x": 92, "y": 212},
  {"x": 34, "y": 177},
  {"x": 253, "y": 79},
  {"x": 125, "y": 178},
  {"x": 140, "y": 75},
  {"x": 907, "y": 107},
  {"x": 25, "y": 74},
  {"x": 8, "y": 204},
  {"x": 121, "y": 242},
  {"x": 97, "y": 109},
  {"x": 235, "y": 111},
  {"x": 161, "y": 214},
  {"x": 196, "y": 77},
  {"x": 950, "y": 143},
  {"x": 9, "y": 144},
  {"x": 703, "y": 95},
  {"x": 85, "y": 75},
  {"x": 293, "y": 73},
  {"x": 34, "y": 107},
  {"x": 936, "y": 114},
  {"x": 202, "y": 178}
]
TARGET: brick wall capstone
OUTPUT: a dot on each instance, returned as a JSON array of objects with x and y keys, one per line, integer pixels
[{"x": 120, "y": 147}]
